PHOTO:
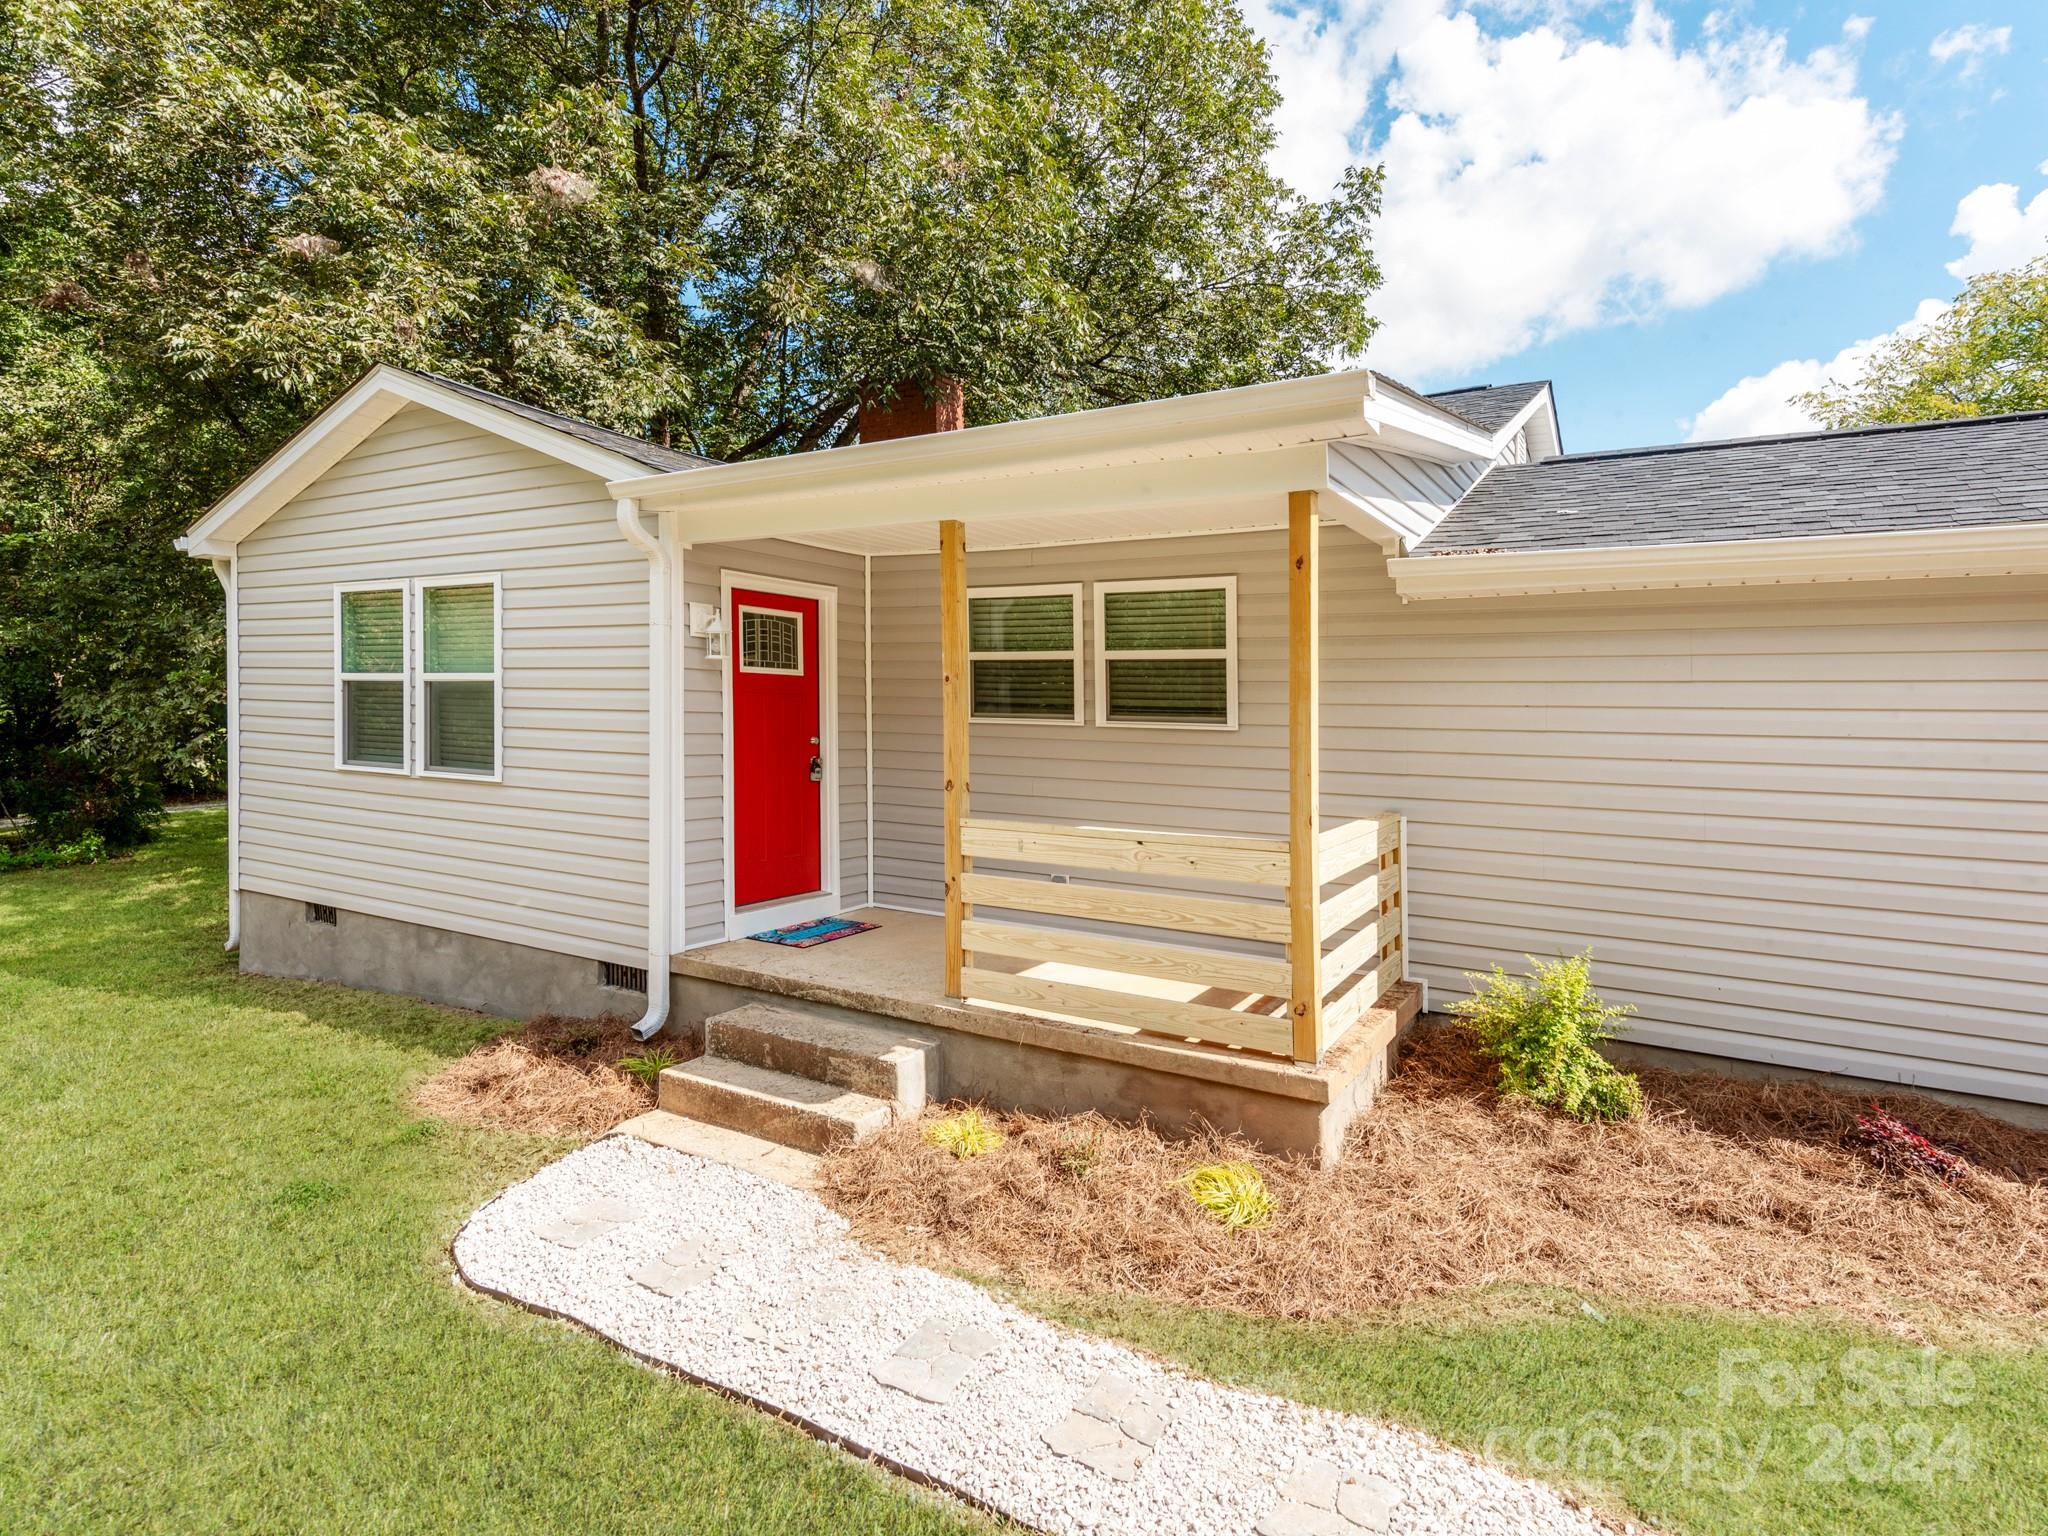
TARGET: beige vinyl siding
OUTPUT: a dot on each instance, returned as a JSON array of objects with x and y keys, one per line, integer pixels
[
  {"x": 555, "y": 856},
  {"x": 704, "y": 721},
  {"x": 1799, "y": 825}
]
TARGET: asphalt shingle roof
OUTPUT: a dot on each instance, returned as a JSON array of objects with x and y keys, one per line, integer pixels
[
  {"x": 624, "y": 444},
  {"x": 1951, "y": 474},
  {"x": 1492, "y": 406}
]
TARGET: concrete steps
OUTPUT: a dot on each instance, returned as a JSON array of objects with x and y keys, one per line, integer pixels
[{"x": 797, "y": 1079}]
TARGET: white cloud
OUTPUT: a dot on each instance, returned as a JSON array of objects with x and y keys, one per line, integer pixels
[
  {"x": 1973, "y": 42},
  {"x": 2002, "y": 235},
  {"x": 1762, "y": 404},
  {"x": 1543, "y": 181}
]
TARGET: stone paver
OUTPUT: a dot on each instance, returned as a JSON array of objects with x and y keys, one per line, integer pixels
[
  {"x": 1318, "y": 1499},
  {"x": 587, "y": 1222},
  {"x": 1111, "y": 1427},
  {"x": 682, "y": 1268},
  {"x": 932, "y": 1362}
]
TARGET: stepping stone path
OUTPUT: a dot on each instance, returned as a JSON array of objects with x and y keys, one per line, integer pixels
[
  {"x": 932, "y": 1362},
  {"x": 683, "y": 1268},
  {"x": 588, "y": 1222},
  {"x": 1320, "y": 1499},
  {"x": 1112, "y": 1427},
  {"x": 755, "y": 1288}
]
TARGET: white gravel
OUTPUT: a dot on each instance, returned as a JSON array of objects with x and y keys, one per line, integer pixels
[{"x": 773, "y": 1301}]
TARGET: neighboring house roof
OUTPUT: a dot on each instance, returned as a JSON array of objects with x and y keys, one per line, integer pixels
[
  {"x": 1950, "y": 474},
  {"x": 1491, "y": 406},
  {"x": 653, "y": 455}
]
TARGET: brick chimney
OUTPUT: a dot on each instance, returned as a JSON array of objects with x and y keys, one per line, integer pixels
[{"x": 907, "y": 408}]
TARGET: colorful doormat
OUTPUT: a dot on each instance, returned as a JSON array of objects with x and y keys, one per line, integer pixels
[{"x": 822, "y": 930}]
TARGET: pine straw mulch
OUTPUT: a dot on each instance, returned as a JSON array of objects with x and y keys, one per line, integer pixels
[
  {"x": 556, "y": 1076},
  {"x": 1727, "y": 1193}
]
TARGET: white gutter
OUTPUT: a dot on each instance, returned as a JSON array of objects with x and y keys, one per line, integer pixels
[
  {"x": 2002, "y": 549},
  {"x": 226, "y": 572},
  {"x": 660, "y": 764}
]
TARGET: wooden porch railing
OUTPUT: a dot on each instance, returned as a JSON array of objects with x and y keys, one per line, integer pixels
[{"x": 1243, "y": 978}]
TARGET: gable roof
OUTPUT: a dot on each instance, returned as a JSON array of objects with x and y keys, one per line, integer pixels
[
  {"x": 1492, "y": 406},
  {"x": 1929, "y": 475},
  {"x": 653, "y": 455},
  {"x": 378, "y": 396}
]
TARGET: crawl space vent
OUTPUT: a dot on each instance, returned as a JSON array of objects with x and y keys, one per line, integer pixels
[
  {"x": 316, "y": 913},
  {"x": 627, "y": 978}
]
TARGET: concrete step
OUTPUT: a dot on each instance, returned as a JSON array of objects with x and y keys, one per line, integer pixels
[
  {"x": 775, "y": 1106},
  {"x": 863, "y": 1058},
  {"x": 771, "y": 1160}
]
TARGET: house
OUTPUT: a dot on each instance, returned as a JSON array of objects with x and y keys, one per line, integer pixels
[{"x": 1176, "y": 750}]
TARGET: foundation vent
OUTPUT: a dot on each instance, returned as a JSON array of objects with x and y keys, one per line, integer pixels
[
  {"x": 326, "y": 916},
  {"x": 626, "y": 978}
]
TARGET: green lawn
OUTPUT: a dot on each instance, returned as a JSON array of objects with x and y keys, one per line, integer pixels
[
  {"x": 225, "y": 1302},
  {"x": 225, "y": 1305}
]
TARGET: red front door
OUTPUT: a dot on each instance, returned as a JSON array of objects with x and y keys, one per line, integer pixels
[{"x": 778, "y": 761}]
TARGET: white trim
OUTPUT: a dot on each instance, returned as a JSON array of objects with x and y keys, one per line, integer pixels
[
  {"x": 867, "y": 652},
  {"x": 1074, "y": 654},
  {"x": 739, "y": 922},
  {"x": 230, "y": 578},
  {"x": 373, "y": 400},
  {"x": 1228, "y": 652},
  {"x": 2000, "y": 549},
  {"x": 739, "y": 636},
  {"x": 403, "y": 677},
  {"x": 421, "y": 585},
  {"x": 662, "y": 832},
  {"x": 676, "y": 790}
]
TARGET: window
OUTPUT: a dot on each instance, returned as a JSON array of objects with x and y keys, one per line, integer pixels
[
  {"x": 458, "y": 628},
  {"x": 370, "y": 652},
  {"x": 771, "y": 640},
  {"x": 1024, "y": 653},
  {"x": 1167, "y": 654},
  {"x": 417, "y": 677}
]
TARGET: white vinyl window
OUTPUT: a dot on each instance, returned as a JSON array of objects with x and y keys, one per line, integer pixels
[
  {"x": 372, "y": 640},
  {"x": 1024, "y": 653},
  {"x": 417, "y": 685},
  {"x": 1166, "y": 653},
  {"x": 460, "y": 702}
]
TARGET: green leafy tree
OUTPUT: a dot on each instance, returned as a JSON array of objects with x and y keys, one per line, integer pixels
[
  {"x": 714, "y": 223},
  {"x": 1986, "y": 355}
]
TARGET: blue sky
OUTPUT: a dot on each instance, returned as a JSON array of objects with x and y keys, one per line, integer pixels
[{"x": 1682, "y": 213}]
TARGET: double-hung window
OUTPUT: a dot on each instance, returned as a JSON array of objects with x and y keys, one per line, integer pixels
[
  {"x": 1166, "y": 653},
  {"x": 1024, "y": 653},
  {"x": 417, "y": 677}
]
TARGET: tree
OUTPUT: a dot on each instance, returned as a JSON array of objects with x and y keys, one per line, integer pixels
[
  {"x": 1987, "y": 354},
  {"x": 710, "y": 222}
]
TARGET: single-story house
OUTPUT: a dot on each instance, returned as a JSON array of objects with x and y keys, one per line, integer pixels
[{"x": 1284, "y": 706}]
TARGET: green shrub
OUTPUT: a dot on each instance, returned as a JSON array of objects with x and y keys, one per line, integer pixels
[
  {"x": 1544, "y": 1029},
  {"x": 1234, "y": 1193},
  {"x": 87, "y": 848},
  {"x": 648, "y": 1065},
  {"x": 967, "y": 1134}
]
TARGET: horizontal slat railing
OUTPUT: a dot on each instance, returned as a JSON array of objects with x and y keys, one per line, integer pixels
[
  {"x": 1364, "y": 964},
  {"x": 1362, "y": 927},
  {"x": 1189, "y": 855},
  {"x": 1218, "y": 860}
]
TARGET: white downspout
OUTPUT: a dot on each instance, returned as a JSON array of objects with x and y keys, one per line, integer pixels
[
  {"x": 660, "y": 764},
  {"x": 225, "y": 571}
]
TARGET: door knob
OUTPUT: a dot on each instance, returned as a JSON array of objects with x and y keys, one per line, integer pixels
[{"x": 817, "y": 770}]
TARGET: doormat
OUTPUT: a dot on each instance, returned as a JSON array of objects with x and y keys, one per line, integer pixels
[{"x": 821, "y": 930}]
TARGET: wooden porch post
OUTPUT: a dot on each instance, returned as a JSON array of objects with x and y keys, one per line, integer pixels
[
  {"x": 1304, "y": 688},
  {"x": 953, "y": 667}
]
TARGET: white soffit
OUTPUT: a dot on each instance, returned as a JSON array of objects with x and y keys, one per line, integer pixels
[{"x": 2004, "y": 549}]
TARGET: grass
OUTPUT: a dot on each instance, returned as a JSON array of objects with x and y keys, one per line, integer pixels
[
  {"x": 225, "y": 1301},
  {"x": 1699, "y": 1422}
]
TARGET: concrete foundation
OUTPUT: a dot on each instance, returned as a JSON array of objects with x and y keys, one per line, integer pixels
[{"x": 383, "y": 955}]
